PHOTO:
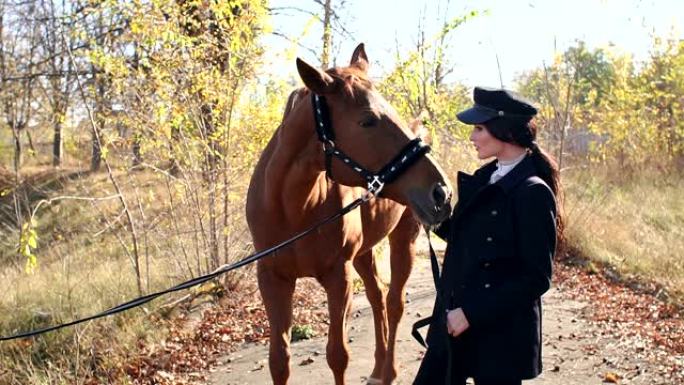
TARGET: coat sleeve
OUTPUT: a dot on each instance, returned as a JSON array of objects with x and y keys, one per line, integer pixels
[{"x": 535, "y": 230}]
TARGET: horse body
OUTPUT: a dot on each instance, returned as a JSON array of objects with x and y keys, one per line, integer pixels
[{"x": 290, "y": 191}]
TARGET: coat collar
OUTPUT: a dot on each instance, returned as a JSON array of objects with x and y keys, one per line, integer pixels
[
  {"x": 479, "y": 179},
  {"x": 519, "y": 173}
]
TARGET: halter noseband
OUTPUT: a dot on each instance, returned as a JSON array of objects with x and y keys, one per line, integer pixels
[{"x": 376, "y": 181}]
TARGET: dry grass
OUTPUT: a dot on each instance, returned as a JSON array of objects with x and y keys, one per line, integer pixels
[
  {"x": 635, "y": 225},
  {"x": 84, "y": 268}
]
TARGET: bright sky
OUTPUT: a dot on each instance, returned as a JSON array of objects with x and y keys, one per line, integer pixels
[{"x": 524, "y": 33}]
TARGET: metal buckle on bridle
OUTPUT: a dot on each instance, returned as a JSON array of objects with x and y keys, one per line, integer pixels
[
  {"x": 328, "y": 147},
  {"x": 375, "y": 185}
]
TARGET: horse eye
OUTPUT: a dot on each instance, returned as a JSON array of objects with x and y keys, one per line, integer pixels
[{"x": 369, "y": 122}]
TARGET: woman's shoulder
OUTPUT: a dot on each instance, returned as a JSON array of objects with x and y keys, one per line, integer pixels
[
  {"x": 534, "y": 187},
  {"x": 535, "y": 182}
]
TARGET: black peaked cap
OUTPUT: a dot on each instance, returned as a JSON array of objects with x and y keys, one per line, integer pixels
[{"x": 493, "y": 103}]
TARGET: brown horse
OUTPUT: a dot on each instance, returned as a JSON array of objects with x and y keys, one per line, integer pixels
[{"x": 290, "y": 191}]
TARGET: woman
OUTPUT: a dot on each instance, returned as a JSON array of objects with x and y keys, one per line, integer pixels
[{"x": 501, "y": 239}]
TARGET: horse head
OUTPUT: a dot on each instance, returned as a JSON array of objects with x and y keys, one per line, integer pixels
[{"x": 368, "y": 130}]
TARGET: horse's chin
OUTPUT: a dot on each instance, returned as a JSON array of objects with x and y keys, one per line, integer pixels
[{"x": 427, "y": 215}]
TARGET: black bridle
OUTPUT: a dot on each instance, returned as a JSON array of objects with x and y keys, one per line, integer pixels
[{"x": 376, "y": 181}]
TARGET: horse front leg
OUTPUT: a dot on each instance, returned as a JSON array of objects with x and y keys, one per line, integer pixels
[
  {"x": 365, "y": 266},
  {"x": 402, "y": 242},
  {"x": 276, "y": 293},
  {"x": 338, "y": 287}
]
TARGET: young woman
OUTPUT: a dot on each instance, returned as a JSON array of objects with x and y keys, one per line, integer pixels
[{"x": 501, "y": 239}]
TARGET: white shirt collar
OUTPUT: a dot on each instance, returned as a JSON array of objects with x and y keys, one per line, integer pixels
[{"x": 504, "y": 167}]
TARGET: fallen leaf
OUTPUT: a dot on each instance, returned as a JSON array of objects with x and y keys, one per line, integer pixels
[{"x": 611, "y": 377}]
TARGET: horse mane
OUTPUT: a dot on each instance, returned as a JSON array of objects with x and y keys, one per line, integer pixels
[
  {"x": 352, "y": 80},
  {"x": 293, "y": 99}
]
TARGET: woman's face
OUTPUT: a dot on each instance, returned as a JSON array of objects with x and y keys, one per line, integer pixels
[{"x": 486, "y": 145}]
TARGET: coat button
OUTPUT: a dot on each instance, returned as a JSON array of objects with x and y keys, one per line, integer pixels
[
  {"x": 494, "y": 213},
  {"x": 487, "y": 285},
  {"x": 489, "y": 239}
]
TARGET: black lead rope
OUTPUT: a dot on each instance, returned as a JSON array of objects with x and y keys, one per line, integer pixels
[
  {"x": 434, "y": 264},
  {"x": 193, "y": 282}
]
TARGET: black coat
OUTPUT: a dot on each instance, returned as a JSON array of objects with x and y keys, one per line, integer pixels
[{"x": 501, "y": 239}]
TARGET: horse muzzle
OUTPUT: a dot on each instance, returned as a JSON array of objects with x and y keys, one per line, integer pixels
[{"x": 431, "y": 208}]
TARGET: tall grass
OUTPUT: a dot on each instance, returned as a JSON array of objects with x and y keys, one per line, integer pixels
[
  {"x": 84, "y": 267},
  {"x": 632, "y": 222}
]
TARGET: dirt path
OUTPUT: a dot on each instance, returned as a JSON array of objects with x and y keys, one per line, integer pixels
[{"x": 577, "y": 351}]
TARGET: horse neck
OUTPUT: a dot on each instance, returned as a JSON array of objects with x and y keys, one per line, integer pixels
[{"x": 295, "y": 175}]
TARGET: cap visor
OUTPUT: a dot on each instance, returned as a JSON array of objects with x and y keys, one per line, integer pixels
[{"x": 475, "y": 115}]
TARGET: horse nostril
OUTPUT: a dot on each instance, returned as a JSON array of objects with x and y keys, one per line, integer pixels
[{"x": 440, "y": 195}]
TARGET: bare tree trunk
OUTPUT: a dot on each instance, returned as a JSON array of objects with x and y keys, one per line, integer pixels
[
  {"x": 137, "y": 156},
  {"x": 96, "y": 133},
  {"x": 17, "y": 105},
  {"x": 226, "y": 170},
  {"x": 60, "y": 87},
  {"x": 96, "y": 154},
  {"x": 210, "y": 175},
  {"x": 327, "y": 33},
  {"x": 209, "y": 133},
  {"x": 213, "y": 224},
  {"x": 59, "y": 114},
  {"x": 135, "y": 148},
  {"x": 18, "y": 154},
  {"x": 174, "y": 168},
  {"x": 57, "y": 146},
  {"x": 425, "y": 103}
]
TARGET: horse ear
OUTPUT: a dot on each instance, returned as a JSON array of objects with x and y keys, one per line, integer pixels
[
  {"x": 359, "y": 58},
  {"x": 314, "y": 79}
]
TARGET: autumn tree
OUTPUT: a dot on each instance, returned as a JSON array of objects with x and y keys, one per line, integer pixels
[
  {"x": 57, "y": 70},
  {"x": 662, "y": 82},
  {"x": 18, "y": 55},
  {"x": 179, "y": 88},
  {"x": 622, "y": 112},
  {"x": 417, "y": 87},
  {"x": 563, "y": 89}
]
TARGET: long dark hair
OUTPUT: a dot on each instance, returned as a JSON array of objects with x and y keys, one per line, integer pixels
[{"x": 523, "y": 132}]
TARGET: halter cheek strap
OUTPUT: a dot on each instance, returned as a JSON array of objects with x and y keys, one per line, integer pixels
[{"x": 376, "y": 181}]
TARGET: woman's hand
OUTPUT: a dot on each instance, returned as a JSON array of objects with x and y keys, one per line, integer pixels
[{"x": 457, "y": 322}]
